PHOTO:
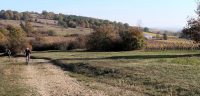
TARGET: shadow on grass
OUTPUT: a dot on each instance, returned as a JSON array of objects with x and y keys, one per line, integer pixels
[
  {"x": 152, "y": 56},
  {"x": 83, "y": 50},
  {"x": 84, "y": 68},
  {"x": 125, "y": 57}
]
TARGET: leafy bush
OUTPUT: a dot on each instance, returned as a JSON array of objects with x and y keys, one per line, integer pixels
[
  {"x": 62, "y": 46},
  {"x": 41, "y": 44},
  {"x": 81, "y": 41},
  {"x": 67, "y": 45},
  {"x": 165, "y": 37},
  {"x": 16, "y": 39},
  {"x": 62, "y": 23},
  {"x": 72, "y": 24},
  {"x": 132, "y": 39},
  {"x": 37, "y": 42},
  {"x": 27, "y": 27},
  {"x": 3, "y": 37},
  {"x": 101, "y": 40},
  {"x": 3, "y": 40},
  {"x": 106, "y": 38},
  {"x": 42, "y": 33},
  {"x": 51, "y": 33},
  {"x": 71, "y": 45}
]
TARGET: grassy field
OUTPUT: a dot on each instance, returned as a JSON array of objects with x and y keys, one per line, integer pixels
[
  {"x": 9, "y": 79},
  {"x": 155, "y": 73}
]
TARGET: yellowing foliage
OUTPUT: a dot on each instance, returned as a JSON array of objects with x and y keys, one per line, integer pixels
[{"x": 172, "y": 44}]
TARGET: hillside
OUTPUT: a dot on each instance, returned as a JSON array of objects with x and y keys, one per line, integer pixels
[
  {"x": 50, "y": 18},
  {"x": 60, "y": 31},
  {"x": 64, "y": 24}
]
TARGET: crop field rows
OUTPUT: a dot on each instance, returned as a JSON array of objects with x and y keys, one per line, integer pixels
[{"x": 173, "y": 44}]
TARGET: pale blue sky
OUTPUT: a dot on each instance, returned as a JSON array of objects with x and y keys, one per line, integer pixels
[{"x": 153, "y": 13}]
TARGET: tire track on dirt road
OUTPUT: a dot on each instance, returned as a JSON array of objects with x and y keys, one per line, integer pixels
[{"x": 49, "y": 80}]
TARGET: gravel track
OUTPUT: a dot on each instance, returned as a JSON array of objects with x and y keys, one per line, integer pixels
[{"x": 49, "y": 80}]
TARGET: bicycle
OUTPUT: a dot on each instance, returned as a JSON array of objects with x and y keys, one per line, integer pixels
[
  {"x": 27, "y": 59},
  {"x": 27, "y": 53}
]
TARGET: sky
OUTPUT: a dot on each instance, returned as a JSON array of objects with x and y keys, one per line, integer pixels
[{"x": 163, "y": 14}]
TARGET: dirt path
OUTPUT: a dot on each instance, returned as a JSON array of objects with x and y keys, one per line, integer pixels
[{"x": 49, "y": 80}]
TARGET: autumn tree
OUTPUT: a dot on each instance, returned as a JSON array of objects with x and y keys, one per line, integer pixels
[
  {"x": 72, "y": 24},
  {"x": 108, "y": 38},
  {"x": 16, "y": 16},
  {"x": 101, "y": 39},
  {"x": 3, "y": 39},
  {"x": 87, "y": 24},
  {"x": 25, "y": 16},
  {"x": 192, "y": 30},
  {"x": 126, "y": 26},
  {"x": 6, "y": 16},
  {"x": 27, "y": 27},
  {"x": 146, "y": 29},
  {"x": 16, "y": 39},
  {"x": 10, "y": 13},
  {"x": 3, "y": 33},
  {"x": 165, "y": 37},
  {"x": 45, "y": 14},
  {"x": 132, "y": 39}
]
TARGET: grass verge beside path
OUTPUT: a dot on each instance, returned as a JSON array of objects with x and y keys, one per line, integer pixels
[
  {"x": 9, "y": 79},
  {"x": 156, "y": 73}
]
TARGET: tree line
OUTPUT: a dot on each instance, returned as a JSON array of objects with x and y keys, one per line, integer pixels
[{"x": 66, "y": 21}]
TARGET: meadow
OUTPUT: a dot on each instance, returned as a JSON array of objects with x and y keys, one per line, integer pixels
[{"x": 152, "y": 73}]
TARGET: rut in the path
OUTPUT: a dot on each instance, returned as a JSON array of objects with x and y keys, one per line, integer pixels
[{"x": 49, "y": 80}]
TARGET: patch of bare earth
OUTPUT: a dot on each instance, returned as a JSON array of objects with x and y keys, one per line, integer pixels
[{"x": 49, "y": 80}]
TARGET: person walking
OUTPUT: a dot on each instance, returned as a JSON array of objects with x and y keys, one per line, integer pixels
[{"x": 27, "y": 53}]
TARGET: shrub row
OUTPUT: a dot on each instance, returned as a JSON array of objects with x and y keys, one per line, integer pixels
[
  {"x": 107, "y": 38},
  {"x": 41, "y": 44}
]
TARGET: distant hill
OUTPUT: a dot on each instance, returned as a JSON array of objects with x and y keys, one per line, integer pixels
[
  {"x": 64, "y": 24},
  {"x": 67, "y": 21},
  {"x": 59, "y": 30}
]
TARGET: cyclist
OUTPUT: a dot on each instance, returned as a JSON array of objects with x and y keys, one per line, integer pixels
[
  {"x": 8, "y": 52},
  {"x": 27, "y": 53}
]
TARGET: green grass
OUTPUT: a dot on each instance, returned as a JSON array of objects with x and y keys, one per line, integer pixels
[{"x": 151, "y": 73}]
